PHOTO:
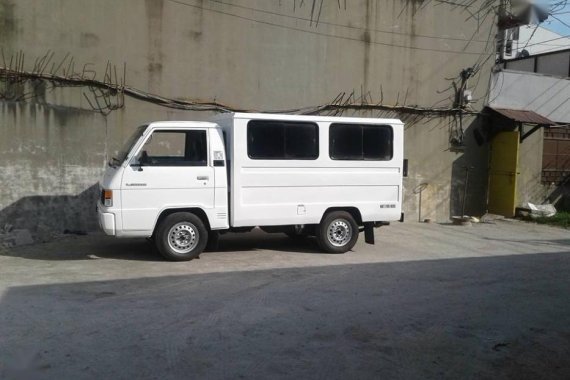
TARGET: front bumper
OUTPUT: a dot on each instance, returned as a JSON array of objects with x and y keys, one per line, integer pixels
[{"x": 106, "y": 221}]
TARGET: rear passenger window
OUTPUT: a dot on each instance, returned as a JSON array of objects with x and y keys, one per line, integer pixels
[
  {"x": 361, "y": 142},
  {"x": 282, "y": 140}
]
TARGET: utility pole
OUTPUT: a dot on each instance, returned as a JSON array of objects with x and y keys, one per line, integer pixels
[{"x": 501, "y": 29}]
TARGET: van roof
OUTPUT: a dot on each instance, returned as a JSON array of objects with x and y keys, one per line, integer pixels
[
  {"x": 182, "y": 124},
  {"x": 242, "y": 115},
  {"x": 264, "y": 116}
]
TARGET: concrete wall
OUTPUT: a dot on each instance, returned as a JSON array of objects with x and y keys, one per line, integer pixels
[
  {"x": 250, "y": 54},
  {"x": 49, "y": 160},
  {"x": 521, "y": 65},
  {"x": 554, "y": 64},
  {"x": 529, "y": 186}
]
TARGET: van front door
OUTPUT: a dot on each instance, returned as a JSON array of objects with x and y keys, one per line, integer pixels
[{"x": 171, "y": 170}]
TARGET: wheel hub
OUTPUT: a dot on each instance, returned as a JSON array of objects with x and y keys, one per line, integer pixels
[
  {"x": 183, "y": 237},
  {"x": 339, "y": 232}
]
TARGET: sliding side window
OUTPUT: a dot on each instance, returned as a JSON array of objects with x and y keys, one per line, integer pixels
[
  {"x": 282, "y": 140},
  {"x": 361, "y": 142}
]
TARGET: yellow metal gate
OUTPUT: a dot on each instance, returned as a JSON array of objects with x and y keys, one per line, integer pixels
[{"x": 503, "y": 172}]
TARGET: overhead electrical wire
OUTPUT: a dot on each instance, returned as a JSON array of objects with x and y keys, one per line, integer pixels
[
  {"x": 324, "y": 34},
  {"x": 341, "y": 25},
  {"x": 560, "y": 21},
  {"x": 544, "y": 42},
  {"x": 551, "y": 50}
]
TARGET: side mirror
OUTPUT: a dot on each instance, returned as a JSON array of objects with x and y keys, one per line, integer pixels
[
  {"x": 140, "y": 161},
  {"x": 144, "y": 159},
  {"x": 137, "y": 166}
]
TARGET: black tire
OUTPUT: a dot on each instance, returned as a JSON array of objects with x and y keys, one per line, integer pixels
[
  {"x": 343, "y": 238},
  {"x": 181, "y": 228}
]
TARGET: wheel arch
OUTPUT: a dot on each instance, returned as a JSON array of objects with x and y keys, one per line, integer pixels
[
  {"x": 193, "y": 210},
  {"x": 353, "y": 211}
]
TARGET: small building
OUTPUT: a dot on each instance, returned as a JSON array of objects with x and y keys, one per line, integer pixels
[
  {"x": 531, "y": 40},
  {"x": 529, "y": 100}
]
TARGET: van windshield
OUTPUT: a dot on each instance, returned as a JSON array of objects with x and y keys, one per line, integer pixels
[{"x": 122, "y": 155}]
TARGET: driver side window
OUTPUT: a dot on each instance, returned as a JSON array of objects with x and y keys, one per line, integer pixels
[{"x": 175, "y": 148}]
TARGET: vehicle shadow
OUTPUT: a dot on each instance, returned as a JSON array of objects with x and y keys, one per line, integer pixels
[
  {"x": 551, "y": 242},
  {"x": 90, "y": 247},
  {"x": 503, "y": 317},
  {"x": 97, "y": 246},
  {"x": 259, "y": 240}
]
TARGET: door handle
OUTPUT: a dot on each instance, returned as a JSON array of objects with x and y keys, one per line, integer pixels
[{"x": 202, "y": 178}]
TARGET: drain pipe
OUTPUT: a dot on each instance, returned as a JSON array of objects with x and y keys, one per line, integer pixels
[
  {"x": 467, "y": 168},
  {"x": 419, "y": 190}
]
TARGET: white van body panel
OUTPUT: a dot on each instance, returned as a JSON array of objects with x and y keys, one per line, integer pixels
[
  {"x": 234, "y": 190},
  {"x": 286, "y": 192},
  {"x": 147, "y": 192},
  {"x": 141, "y": 196}
]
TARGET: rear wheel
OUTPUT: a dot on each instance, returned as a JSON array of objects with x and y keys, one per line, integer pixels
[
  {"x": 181, "y": 237},
  {"x": 337, "y": 232}
]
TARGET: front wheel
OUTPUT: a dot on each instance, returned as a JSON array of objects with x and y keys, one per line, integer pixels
[
  {"x": 181, "y": 237},
  {"x": 337, "y": 232}
]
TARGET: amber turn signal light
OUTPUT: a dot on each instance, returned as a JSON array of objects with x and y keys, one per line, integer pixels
[{"x": 108, "y": 198}]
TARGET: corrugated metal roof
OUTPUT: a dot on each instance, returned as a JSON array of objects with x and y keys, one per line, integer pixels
[{"x": 523, "y": 116}]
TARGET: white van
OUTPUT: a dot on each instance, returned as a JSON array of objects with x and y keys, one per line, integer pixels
[{"x": 182, "y": 183}]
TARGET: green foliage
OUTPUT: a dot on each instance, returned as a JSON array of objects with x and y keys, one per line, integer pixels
[{"x": 561, "y": 219}]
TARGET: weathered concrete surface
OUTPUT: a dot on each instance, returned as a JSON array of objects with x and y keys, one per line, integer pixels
[
  {"x": 262, "y": 54},
  {"x": 427, "y": 302},
  {"x": 249, "y": 54},
  {"x": 50, "y": 159},
  {"x": 529, "y": 180}
]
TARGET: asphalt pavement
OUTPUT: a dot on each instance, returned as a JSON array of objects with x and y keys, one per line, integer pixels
[{"x": 428, "y": 301}]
